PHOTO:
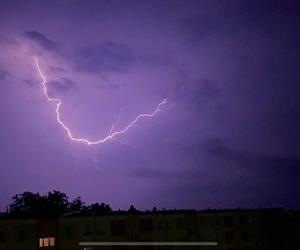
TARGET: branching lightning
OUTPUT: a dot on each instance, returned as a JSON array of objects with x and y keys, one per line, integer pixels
[{"x": 112, "y": 133}]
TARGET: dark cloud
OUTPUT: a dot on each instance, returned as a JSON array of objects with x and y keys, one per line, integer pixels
[
  {"x": 108, "y": 85},
  {"x": 154, "y": 60},
  {"x": 42, "y": 40},
  {"x": 31, "y": 83},
  {"x": 114, "y": 57},
  {"x": 243, "y": 176},
  {"x": 4, "y": 74},
  {"x": 252, "y": 161},
  {"x": 57, "y": 69},
  {"x": 262, "y": 14},
  {"x": 283, "y": 126},
  {"x": 195, "y": 30},
  {"x": 8, "y": 41},
  {"x": 62, "y": 85},
  {"x": 105, "y": 57},
  {"x": 196, "y": 91},
  {"x": 226, "y": 20},
  {"x": 150, "y": 173}
]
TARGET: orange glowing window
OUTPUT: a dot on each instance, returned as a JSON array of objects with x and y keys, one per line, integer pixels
[
  {"x": 41, "y": 242},
  {"x": 47, "y": 242},
  {"x": 52, "y": 241}
]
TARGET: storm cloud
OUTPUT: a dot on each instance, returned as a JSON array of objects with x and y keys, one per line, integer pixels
[{"x": 228, "y": 135}]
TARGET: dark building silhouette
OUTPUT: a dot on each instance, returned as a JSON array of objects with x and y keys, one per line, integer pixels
[{"x": 259, "y": 229}]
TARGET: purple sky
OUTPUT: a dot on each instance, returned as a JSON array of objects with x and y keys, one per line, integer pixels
[{"x": 228, "y": 136}]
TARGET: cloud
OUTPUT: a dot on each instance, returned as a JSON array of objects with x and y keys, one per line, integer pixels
[
  {"x": 62, "y": 85},
  {"x": 153, "y": 60},
  {"x": 8, "y": 40},
  {"x": 262, "y": 14},
  {"x": 267, "y": 163},
  {"x": 222, "y": 172},
  {"x": 31, "y": 83},
  {"x": 42, "y": 40},
  {"x": 196, "y": 91},
  {"x": 224, "y": 21},
  {"x": 150, "y": 173},
  {"x": 57, "y": 69},
  {"x": 114, "y": 57},
  {"x": 195, "y": 30},
  {"x": 4, "y": 74},
  {"x": 108, "y": 85}
]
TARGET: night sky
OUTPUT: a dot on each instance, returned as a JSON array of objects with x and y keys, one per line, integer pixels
[{"x": 227, "y": 137}]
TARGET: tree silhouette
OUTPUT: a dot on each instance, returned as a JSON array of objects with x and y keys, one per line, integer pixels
[
  {"x": 99, "y": 209},
  {"x": 26, "y": 204},
  {"x": 35, "y": 205},
  {"x": 77, "y": 205},
  {"x": 53, "y": 204}
]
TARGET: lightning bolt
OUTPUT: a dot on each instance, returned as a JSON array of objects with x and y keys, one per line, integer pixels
[{"x": 112, "y": 134}]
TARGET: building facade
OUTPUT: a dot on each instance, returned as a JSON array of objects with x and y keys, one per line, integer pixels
[{"x": 231, "y": 229}]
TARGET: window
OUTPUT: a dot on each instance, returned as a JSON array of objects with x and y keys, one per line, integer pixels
[
  {"x": 229, "y": 236},
  {"x": 244, "y": 220},
  {"x": 180, "y": 223},
  {"x": 164, "y": 225},
  {"x": 203, "y": 222},
  {"x": 68, "y": 232},
  {"x": 52, "y": 242},
  {"x": 192, "y": 226},
  {"x": 228, "y": 221},
  {"x": 245, "y": 235},
  {"x": 22, "y": 236},
  {"x": 146, "y": 226},
  {"x": 169, "y": 225},
  {"x": 131, "y": 235},
  {"x": 118, "y": 228},
  {"x": 2, "y": 236},
  {"x": 100, "y": 228},
  {"x": 47, "y": 242},
  {"x": 87, "y": 230}
]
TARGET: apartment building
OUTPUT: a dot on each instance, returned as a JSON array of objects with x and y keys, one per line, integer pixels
[{"x": 231, "y": 229}]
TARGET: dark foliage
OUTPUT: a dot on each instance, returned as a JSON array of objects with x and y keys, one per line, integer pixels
[
  {"x": 52, "y": 204},
  {"x": 99, "y": 209}
]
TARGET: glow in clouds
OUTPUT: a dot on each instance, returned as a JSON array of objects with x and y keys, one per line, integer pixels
[{"x": 112, "y": 134}]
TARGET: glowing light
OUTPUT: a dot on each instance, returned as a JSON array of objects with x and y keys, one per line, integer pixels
[{"x": 112, "y": 134}]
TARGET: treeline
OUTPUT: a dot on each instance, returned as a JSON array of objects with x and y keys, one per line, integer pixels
[{"x": 52, "y": 204}]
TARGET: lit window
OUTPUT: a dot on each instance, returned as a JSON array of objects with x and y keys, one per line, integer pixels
[
  {"x": 52, "y": 241},
  {"x": 41, "y": 242},
  {"x": 47, "y": 242}
]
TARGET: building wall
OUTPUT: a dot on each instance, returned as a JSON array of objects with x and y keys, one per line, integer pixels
[
  {"x": 232, "y": 229},
  {"x": 18, "y": 234}
]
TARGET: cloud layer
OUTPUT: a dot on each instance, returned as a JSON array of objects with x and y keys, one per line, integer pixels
[{"x": 228, "y": 136}]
